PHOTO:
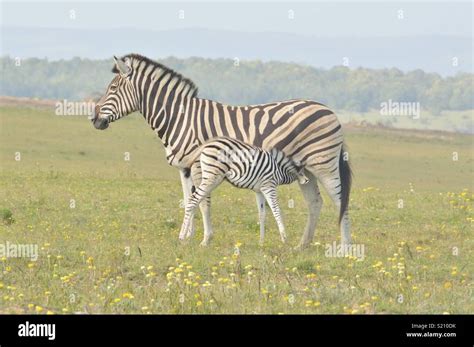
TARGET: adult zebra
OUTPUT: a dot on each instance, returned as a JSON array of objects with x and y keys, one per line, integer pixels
[{"x": 304, "y": 130}]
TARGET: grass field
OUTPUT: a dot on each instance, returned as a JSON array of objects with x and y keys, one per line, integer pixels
[{"x": 116, "y": 251}]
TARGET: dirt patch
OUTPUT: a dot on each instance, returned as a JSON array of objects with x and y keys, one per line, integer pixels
[
  {"x": 354, "y": 127},
  {"x": 30, "y": 102}
]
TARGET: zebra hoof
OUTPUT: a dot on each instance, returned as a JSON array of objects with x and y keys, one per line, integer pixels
[
  {"x": 182, "y": 234},
  {"x": 300, "y": 247},
  {"x": 190, "y": 234},
  {"x": 346, "y": 242},
  {"x": 204, "y": 243}
]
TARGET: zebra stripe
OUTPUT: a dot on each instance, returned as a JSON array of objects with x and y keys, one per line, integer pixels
[
  {"x": 304, "y": 130},
  {"x": 244, "y": 166}
]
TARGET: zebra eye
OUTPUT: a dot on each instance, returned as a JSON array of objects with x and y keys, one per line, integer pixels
[{"x": 113, "y": 88}]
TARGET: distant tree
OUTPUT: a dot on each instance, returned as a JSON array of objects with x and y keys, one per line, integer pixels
[{"x": 249, "y": 82}]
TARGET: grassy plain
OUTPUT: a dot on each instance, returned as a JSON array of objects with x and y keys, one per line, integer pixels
[{"x": 116, "y": 251}]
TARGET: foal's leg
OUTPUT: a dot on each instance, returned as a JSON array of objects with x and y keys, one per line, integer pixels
[
  {"x": 270, "y": 194},
  {"x": 204, "y": 191},
  {"x": 261, "y": 215},
  {"x": 205, "y": 205},
  {"x": 189, "y": 210},
  {"x": 208, "y": 183}
]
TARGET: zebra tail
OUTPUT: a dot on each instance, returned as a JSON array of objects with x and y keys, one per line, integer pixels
[{"x": 345, "y": 174}]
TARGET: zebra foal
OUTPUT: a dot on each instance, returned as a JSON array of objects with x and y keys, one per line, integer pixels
[{"x": 244, "y": 166}]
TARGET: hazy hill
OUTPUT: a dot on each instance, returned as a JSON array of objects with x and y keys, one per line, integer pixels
[
  {"x": 429, "y": 53},
  {"x": 250, "y": 82}
]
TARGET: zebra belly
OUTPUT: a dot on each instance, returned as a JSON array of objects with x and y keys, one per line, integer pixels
[{"x": 242, "y": 181}]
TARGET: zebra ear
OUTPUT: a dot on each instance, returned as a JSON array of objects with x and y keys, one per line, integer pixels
[
  {"x": 122, "y": 67},
  {"x": 274, "y": 152},
  {"x": 299, "y": 166}
]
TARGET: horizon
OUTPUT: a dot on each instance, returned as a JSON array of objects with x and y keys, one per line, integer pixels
[
  {"x": 158, "y": 59},
  {"x": 373, "y": 35}
]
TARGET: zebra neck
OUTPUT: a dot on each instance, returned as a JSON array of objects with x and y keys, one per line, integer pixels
[
  {"x": 285, "y": 171},
  {"x": 164, "y": 101},
  {"x": 176, "y": 122}
]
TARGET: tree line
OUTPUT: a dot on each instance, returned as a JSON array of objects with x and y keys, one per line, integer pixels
[{"x": 249, "y": 82}]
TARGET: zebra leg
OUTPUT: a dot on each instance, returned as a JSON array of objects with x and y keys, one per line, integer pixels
[
  {"x": 205, "y": 207},
  {"x": 271, "y": 197},
  {"x": 205, "y": 189},
  {"x": 261, "y": 215},
  {"x": 332, "y": 184},
  {"x": 187, "y": 184},
  {"x": 190, "y": 208},
  {"x": 314, "y": 201}
]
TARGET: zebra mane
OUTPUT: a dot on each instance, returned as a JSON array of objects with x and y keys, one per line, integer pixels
[{"x": 174, "y": 74}]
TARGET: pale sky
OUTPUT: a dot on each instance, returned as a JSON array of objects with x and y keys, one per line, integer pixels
[{"x": 326, "y": 19}]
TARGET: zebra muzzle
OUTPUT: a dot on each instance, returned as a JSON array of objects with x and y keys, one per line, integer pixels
[{"x": 101, "y": 123}]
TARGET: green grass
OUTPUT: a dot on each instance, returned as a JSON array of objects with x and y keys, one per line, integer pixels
[{"x": 117, "y": 250}]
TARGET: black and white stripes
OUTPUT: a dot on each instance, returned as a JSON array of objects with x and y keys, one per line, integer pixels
[
  {"x": 304, "y": 130},
  {"x": 244, "y": 166}
]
